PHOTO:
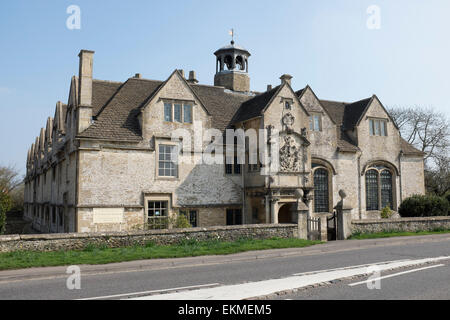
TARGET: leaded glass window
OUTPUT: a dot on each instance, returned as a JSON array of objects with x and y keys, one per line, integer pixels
[
  {"x": 372, "y": 190},
  {"x": 321, "y": 195},
  {"x": 386, "y": 189},
  {"x": 187, "y": 113},
  {"x": 377, "y": 127},
  {"x": 177, "y": 112},
  {"x": 167, "y": 112},
  {"x": 315, "y": 122}
]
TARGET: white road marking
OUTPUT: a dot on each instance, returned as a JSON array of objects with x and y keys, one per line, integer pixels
[
  {"x": 268, "y": 287},
  {"x": 151, "y": 292},
  {"x": 394, "y": 275},
  {"x": 346, "y": 268}
]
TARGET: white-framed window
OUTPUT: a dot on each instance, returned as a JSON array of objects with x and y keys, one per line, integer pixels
[
  {"x": 378, "y": 127},
  {"x": 178, "y": 112},
  {"x": 167, "y": 161},
  {"x": 315, "y": 122}
]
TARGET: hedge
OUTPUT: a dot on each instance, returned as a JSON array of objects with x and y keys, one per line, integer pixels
[{"x": 424, "y": 206}]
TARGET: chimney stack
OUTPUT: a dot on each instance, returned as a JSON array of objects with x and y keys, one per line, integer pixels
[
  {"x": 286, "y": 78},
  {"x": 269, "y": 87},
  {"x": 181, "y": 71},
  {"x": 85, "y": 78},
  {"x": 138, "y": 76},
  {"x": 84, "y": 108},
  {"x": 192, "y": 78}
]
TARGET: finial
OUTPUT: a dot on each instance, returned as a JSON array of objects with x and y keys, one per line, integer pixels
[{"x": 231, "y": 32}]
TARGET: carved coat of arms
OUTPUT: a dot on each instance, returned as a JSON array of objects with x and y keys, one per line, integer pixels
[
  {"x": 288, "y": 120},
  {"x": 290, "y": 155}
]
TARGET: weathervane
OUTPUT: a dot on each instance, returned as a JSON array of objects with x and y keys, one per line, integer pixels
[{"x": 231, "y": 33}]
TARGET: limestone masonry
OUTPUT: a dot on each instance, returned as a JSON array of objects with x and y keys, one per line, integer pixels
[{"x": 105, "y": 161}]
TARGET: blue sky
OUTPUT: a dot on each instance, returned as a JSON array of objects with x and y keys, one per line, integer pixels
[{"x": 325, "y": 44}]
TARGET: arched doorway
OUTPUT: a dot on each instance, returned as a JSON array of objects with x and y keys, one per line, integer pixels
[{"x": 286, "y": 213}]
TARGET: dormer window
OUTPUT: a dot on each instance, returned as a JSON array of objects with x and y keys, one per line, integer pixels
[
  {"x": 315, "y": 122},
  {"x": 178, "y": 112},
  {"x": 168, "y": 112},
  {"x": 187, "y": 111},
  {"x": 378, "y": 127}
]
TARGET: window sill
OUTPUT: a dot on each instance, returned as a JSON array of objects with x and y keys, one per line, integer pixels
[{"x": 167, "y": 178}]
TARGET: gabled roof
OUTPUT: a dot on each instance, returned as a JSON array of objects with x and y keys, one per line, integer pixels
[
  {"x": 409, "y": 149},
  {"x": 116, "y": 107},
  {"x": 335, "y": 110},
  {"x": 254, "y": 107},
  {"x": 220, "y": 103},
  {"x": 354, "y": 111},
  {"x": 117, "y": 119},
  {"x": 102, "y": 91}
]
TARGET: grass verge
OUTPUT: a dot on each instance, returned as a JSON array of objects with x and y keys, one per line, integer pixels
[
  {"x": 387, "y": 234},
  {"x": 98, "y": 255}
]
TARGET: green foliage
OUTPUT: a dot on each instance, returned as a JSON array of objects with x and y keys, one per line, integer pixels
[
  {"x": 424, "y": 206},
  {"x": 386, "y": 213},
  {"x": 94, "y": 254},
  {"x": 447, "y": 196},
  {"x": 389, "y": 234},
  {"x": 180, "y": 221},
  {"x": 5, "y": 206}
]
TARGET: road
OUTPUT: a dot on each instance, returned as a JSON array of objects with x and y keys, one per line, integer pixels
[{"x": 148, "y": 277}]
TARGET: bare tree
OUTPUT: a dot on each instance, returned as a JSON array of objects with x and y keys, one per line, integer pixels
[
  {"x": 9, "y": 179},
  {"x": 429, "y": 131},
  {"x": 426, "y": 129}
]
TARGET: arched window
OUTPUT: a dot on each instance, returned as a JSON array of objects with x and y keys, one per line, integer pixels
[
  {"x": 240, "y": 62},
  {"x": 379, "y": 188},
  {"x": 386, "y": 188},
  {"x": 372, "y": 190},
  {"x": 229, "y": 62},
  {"x": 321, "y": 190}
]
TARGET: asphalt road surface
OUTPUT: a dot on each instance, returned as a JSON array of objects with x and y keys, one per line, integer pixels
[{"x": 145, "y": 277}]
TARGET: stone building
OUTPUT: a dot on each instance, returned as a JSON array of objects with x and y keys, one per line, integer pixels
[{"x": 105, "y": 160}]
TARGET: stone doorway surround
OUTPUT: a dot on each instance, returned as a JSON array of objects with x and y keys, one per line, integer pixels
[
  {"x": 287, "y": 212},
  {"x": 276, "y": 199}
]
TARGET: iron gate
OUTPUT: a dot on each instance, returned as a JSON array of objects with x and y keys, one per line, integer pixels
[
  {"x": 332, "y": 227},
  {"x": 314, "y": 229}
]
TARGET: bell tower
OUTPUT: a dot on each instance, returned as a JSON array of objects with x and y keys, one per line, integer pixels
[{"x": 232, "y": 68}]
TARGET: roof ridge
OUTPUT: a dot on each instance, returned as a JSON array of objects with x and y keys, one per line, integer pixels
[
  {"x": 122, "y": 84},
  {"x": 350, "y": 103},
  {"x": 142, "y": 79},
  {"x": 107, "y": 81},
  {"x": 327, "y": 100}
]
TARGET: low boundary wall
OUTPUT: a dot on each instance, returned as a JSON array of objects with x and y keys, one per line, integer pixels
[
  {"x": 79, "y": 241},
  {"x": 401, "y": 224}
]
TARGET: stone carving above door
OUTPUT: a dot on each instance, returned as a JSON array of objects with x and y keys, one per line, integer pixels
[{"x": 290, "y": 155}]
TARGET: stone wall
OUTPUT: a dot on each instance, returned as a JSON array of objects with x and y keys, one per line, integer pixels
[
  {"x": 400, "y": 224},
  {"x": 79, "y": 241}
]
